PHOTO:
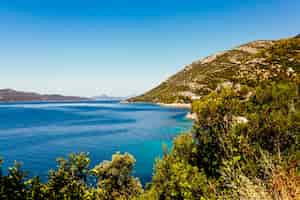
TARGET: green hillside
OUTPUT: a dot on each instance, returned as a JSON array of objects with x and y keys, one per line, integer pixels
[{"x": 252, "y": 62}]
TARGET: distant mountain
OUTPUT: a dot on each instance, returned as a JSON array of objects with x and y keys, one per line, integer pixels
[
  {"x": 105, "y": 97},
  {"x": 9, "y": 95},
  {"x": 251, "y": 62}
]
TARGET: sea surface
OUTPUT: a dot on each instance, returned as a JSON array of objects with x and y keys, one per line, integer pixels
[{"x": 36, "y": 133}]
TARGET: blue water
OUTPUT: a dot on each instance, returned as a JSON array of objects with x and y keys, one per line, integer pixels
[{"x": 36, "y": 133}]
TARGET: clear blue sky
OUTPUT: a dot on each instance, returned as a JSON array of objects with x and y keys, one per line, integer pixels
[{"x": 122, "y": 47}]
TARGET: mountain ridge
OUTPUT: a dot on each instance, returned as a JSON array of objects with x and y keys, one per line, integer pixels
[
  {"x": 11, "y": 95},
  {"x": 242, "y": 63}
]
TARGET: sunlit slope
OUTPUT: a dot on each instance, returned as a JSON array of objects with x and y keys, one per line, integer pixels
[{"x": 247, "y": 63}]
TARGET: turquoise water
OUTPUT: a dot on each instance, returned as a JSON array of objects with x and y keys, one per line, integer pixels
[{"x": 36, "y": 133}]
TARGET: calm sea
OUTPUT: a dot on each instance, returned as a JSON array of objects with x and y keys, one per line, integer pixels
[{"x": 36, "y": 133}]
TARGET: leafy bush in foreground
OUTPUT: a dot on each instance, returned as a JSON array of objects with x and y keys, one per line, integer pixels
[{"x": 70, "y": 180}]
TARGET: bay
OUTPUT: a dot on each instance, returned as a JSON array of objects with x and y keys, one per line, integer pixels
[{"x": 36, "y": 133}]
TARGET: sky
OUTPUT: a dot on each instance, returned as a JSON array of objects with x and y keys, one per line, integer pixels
[{"x": 125, "y": 47}]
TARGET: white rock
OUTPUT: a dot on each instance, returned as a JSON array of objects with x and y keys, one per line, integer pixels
[
  {"x": 240, "y": 119},
  {"x": 191, "y": 116},
  {"x": 211, "y": 58}
]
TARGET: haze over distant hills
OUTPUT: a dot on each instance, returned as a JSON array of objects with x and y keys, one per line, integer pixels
[
  {"x": 105, "y": 97},
  {"x": 10, "y": 95}
]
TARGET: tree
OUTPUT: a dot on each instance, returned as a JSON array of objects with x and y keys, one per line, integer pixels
[
  {"x": 115, "y": 177},
  {"x": 12, "y": 186}
]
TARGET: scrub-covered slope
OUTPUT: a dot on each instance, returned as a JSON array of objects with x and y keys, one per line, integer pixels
[{"x": 252, "y": 61}]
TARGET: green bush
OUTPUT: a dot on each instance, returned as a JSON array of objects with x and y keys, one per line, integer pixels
[
  {"x": 70, "y": 180},
  {"x": 115, "y": 179}
]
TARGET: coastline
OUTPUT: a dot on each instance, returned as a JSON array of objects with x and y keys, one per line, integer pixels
[
  {"x": 176, "y": 105},
  {"x": 189, "y": 115}
]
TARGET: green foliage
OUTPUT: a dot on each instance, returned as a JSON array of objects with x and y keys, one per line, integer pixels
[
  {"x": 70, "y": 180},
  {"x": 284, "y": 52},
  {"x": 178, "y": 180},
  {"x": 114, "y": 177},
  {"x": 273, "y": 114},
  {"x": 230, "y": 134},
  {"x": 35, "y": 189},
  {"x": 176, "y": 176},
  {"x": 13, "y": 185}
]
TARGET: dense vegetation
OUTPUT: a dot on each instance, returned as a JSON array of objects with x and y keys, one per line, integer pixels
[
  {"x": 244, "y": 145},
  {"x": 73, "y": 179},
  {"x": 239, "y": 148}
]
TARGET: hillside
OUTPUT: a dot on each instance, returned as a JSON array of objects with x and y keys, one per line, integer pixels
[
  {"x": 9, "y": 95},
  {"x": 250, "y": 62}
]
